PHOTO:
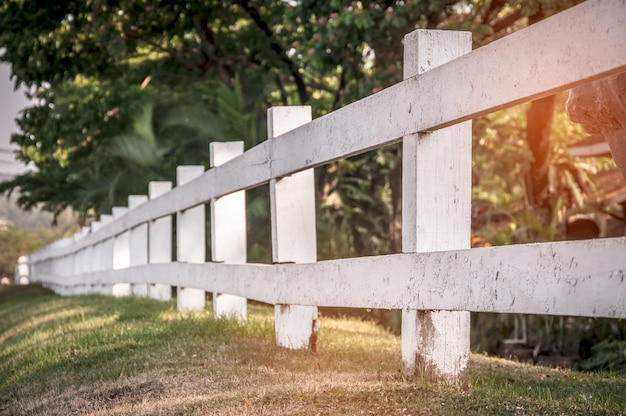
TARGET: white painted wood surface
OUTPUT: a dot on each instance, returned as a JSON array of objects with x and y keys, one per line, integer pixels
[
  {"x": 292, "y": 211},
  {"x": 121, "y": 255},
  {"x": 160, "y": 237},
  {"x": 190, "y": 242},
  {"x": 559, "y": 53},
  {"x": 436, "y": 213},
  {"x": 138, "y": 240},
  {"x": 228, "y": 232},
  {"x": 574, "y": 278}
]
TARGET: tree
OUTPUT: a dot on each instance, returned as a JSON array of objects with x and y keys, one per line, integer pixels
[{"x": 96, "y": 64}]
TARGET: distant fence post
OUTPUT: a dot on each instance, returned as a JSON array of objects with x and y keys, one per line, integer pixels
[
  {"x": 88, "y": 255},
  {"x": 160, "y": 245},
  {"x": 97, "y": 260},
  {"x": 138, "y": 245},
  {"x": 292, "y": 201},
  {"x": 190, "y": 241},
  {"x": 22, "y": 271},
  {"x": 436, "y": 208},
  {"x": 106, "y": 255},
  {"x": 121, "y": 255},
  {"x": 79, "y": 264},
  {"x": 228, "y": 231}
]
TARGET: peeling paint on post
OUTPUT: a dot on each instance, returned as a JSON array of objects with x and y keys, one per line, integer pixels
[
  {"x": 436, "y": 204},
  {"x": 190, "y": 241},
  {"x": 228, "y": 231},
  {"x": 292, "y": 203}
]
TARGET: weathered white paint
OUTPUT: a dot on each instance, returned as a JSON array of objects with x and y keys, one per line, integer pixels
[
  {"x": 575, "y": 278},
  {"x": 190, "y": 242},
  {"x": 160, "y": 245},
  {"x": 228, "y": 231},
  {"x": 121, "y": 255},
  {"x": 22, "y": 271},
  {"x": 138, "y": 245},
  {"x": 292, "y": 208},
  {"x": 106, "y": 254},
  {"x": 436, "y": 213},
  {"x": 560, "y": 52}
]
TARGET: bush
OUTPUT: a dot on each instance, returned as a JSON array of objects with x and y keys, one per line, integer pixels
[{"x": 608, "y": 355}]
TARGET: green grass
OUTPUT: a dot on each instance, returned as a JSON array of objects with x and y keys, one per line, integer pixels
[{"x": 105, "y": 356}]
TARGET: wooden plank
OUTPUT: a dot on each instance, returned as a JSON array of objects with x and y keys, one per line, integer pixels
[
  {"x": 121, "y": 255},
  {"x": 576, "y": 278},
  {"x": 292, "y": 211},
  {"x": 558, "y": 53},
  {"x": 138, "y": 244},
  {"x": 228, "y": 231},
  {"x": 160, "y": 241},
  {"x": 190, "y": 243}
]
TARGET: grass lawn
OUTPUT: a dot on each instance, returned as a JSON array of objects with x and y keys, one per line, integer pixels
[{"x": 93, "y": 355}]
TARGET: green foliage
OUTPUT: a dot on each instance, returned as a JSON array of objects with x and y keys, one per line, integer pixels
[
  {"x": 16, "y": 242},
  {"x": 95, "y": 64},
  {"x": 501, "y": 162},
  {"x": 608, "y": 355},
  {"x": 354, "y": 209}
]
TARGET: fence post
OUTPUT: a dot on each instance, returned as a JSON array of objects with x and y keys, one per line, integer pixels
[
  {"x": 190, "y": 241},
  {"x": 22, "y": 271},
  {"x": 121, "y": 255},
  {"x": 228, "y": 231},
  {"x": 292, "y": 203},
  {"x": 436, "y": 207},
  {"x": 160, "y": 245},
  {"x": 106, "y": 255},
  {"x": 97, "y": 259},
  {"x": 138, "y": 245},
  {"x": 78, "y": 265}
]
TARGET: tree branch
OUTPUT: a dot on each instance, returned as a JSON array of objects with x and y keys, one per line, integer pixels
[
  {"x": 282, "y": 55},
  {"x": 281, "y": 88},
  {"x": 173, "y": 53},
  {"x": 492, "y": 11},
  {"x": 340, "y": 90},
  {"x": 507, "y": 21},
  {"x": 208, "y": 44}
]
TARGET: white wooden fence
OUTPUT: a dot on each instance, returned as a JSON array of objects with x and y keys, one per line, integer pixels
[{"x": 438, "y": 278}]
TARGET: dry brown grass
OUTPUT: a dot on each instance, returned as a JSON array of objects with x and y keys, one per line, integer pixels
[{"x": 102, "y": 356}]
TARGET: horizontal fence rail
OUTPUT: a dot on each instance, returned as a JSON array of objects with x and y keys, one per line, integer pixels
[
  {"x": 577, "y": 278},
  {"x": 446, "y": 85}
]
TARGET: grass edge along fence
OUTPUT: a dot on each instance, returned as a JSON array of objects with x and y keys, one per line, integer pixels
[{"x": 437, "y": 279}]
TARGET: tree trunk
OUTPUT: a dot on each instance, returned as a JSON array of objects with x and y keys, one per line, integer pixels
[
  {"x": 538, "y": 123},
  {"x": 395, "y": 220}
]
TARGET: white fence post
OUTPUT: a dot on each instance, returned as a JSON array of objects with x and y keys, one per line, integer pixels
[
  {"x": 78, "y": 265},
  {"x": 292, "y": 202},
  {"x": 106, "y": 255},
  {"x": 190, "y": 241},
  {"x": 228, "y": 231},
  {"x": 436, "y": 208},
  {"x": 160, "y": 244},
  {"x": 22, "y": 271},
  {"x": 138, "y": 245},
  {"x": 97, "y": 259},
  {"x": 121, "y": 255}
]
